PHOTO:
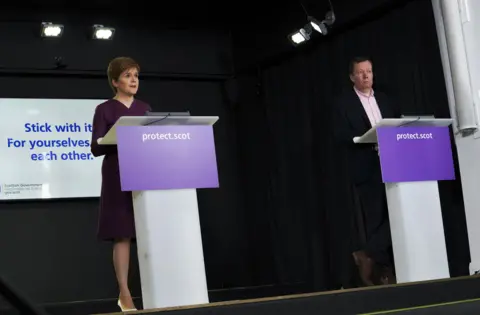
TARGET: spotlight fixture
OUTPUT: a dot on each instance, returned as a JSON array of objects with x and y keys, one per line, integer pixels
[
  {"x": 51, "y": 30},
  {"x": 305, "y": 33},
  {"x": 301, "y": 35},
  {"x": 102, "y": 32},
  {"x": 318, "y": 26}
]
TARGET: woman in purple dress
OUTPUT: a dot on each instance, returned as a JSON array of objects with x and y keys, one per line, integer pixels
[{"x": 116, "y": 220}]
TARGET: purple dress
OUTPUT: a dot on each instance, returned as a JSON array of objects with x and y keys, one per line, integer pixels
[{"x": 116, "y": 219}]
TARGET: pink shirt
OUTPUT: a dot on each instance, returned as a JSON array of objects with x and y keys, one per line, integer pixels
[{"x": 370, "y": 105}]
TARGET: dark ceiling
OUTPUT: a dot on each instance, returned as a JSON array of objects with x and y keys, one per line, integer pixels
[
  {"x": 238, "y": 14},
  {"x": 213, "y": 13}
]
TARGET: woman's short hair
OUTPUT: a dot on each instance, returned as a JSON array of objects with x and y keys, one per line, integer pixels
[{"x": 117, "y": 66}]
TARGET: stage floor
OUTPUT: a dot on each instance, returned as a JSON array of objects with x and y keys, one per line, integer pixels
[
  {"x": 453, "y": 308},
  {"x": 450, "y": 296}
]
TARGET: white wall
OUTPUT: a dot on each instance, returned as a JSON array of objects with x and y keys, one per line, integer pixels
[{"x": 458, "y": 29}]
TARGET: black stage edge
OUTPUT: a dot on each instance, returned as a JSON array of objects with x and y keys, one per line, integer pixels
[
  {"x": 216, "y": 295},
  {"x": 453, "y": 308},
  {"x": 352, "y": 301}
]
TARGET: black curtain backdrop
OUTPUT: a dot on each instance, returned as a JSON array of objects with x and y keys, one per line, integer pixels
[{"x": 298, "y": 199}]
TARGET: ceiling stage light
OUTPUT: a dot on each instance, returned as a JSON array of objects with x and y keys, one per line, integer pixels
[
  {"x": 102, "y": 32},
  {"x": 51, "y": 30},
  {"x": 318, "y": 26},
  {"x": 301, "y": 35},
  {"x": 305, "y": 33}
]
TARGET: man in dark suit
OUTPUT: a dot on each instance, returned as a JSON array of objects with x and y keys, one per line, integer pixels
[{"x": 356, "y": 111}]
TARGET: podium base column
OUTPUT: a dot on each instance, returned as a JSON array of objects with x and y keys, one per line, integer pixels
[
  {"x": 418, "y": 237},
  {"x": 170, "y": 252}
]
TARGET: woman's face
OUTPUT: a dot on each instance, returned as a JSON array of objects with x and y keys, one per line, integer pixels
[{"x": 127, "y": 83}]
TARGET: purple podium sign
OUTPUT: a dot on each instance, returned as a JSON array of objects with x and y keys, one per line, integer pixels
[
  {"x": 166, "y": 157},
  {"x": 410, "y": 154}
]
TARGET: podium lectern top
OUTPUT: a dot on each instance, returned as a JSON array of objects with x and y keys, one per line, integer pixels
[
  {"x": 111, "y": 136},
  {"x": 165, "y": 152},
  {"x": 371, "y": 135}
]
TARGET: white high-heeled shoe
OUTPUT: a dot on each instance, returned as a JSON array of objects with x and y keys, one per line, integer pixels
[{"x": 124, "y": 309}]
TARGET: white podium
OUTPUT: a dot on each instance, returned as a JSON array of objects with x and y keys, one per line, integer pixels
[
  {"x": 415, "y": 153},
  {"x": 160, "y": 163}
]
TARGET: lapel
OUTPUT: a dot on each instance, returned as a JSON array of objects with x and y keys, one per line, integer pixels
[{"x": 381, "y": 105}]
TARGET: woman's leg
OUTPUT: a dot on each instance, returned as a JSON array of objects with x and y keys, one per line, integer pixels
[{"x": 121, "y": 261}]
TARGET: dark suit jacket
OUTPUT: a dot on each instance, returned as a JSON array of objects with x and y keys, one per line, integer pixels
[{"x": 351, "y": 121}]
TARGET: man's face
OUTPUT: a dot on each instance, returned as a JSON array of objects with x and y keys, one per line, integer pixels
[{"x": 362, "y": 76}]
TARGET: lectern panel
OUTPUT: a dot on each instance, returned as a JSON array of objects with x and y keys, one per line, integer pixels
[
  {"x": 166, "y": 157},
  {"x": 415, "y": 154}
]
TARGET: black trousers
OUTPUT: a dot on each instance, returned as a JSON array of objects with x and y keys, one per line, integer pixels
[{"x": 373, "y": 222}]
